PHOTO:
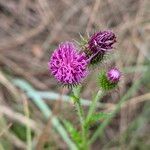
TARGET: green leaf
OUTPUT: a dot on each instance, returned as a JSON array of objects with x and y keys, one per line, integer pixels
[
  {"x": 97, "y": 117},
  {"x": 74, "y": 98},
  {"x": 75, "y": 135}
]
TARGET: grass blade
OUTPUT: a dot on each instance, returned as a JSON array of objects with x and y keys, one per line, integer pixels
[{"x": 45, "y": 110}]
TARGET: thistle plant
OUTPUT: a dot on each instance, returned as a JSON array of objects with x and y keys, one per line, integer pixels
[{"x": 69, "y": 64}]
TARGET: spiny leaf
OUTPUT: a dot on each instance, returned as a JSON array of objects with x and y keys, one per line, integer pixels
[
  {"x": 75, "y": 135},
  {"x": 74, "y": 98},
  {"x": 97, "y": 117}
]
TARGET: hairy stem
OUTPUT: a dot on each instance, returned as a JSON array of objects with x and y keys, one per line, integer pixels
[
  {"x": 81, "y": 118},
  {"x": 92, "y": 108},
  {"x": 100, "y": 130}
]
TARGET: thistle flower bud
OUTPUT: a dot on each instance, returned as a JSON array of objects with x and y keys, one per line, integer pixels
[
  {"x": 110, "y": 79},
  {"x": 113, "y": 75},
  {"x": 67, "y": 65},
  {"x": 102, "y": 41},
  {"x": 99, "y": 44}
]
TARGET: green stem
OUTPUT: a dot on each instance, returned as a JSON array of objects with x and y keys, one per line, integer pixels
[
  {"x": 81, "y": 117},
  {"x": 99, "y": 131},
  {"x": 92, "y": 108}
]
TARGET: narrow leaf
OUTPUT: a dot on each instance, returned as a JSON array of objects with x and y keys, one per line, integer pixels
[
  {"x": 97, "y": 117},
  {"x": 75, "y": 135}
]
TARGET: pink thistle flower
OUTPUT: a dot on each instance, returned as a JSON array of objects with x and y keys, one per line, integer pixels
[{"x": 67, "y": 65}]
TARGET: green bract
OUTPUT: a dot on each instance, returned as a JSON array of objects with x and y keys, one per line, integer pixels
[{"x": 104, "y": 83}]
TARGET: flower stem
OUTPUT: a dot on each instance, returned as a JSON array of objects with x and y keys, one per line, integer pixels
[
  {"x": 82, "y": 119},
  {"x": 92, "y": 108},
  {"x": 100, "y": 130}
]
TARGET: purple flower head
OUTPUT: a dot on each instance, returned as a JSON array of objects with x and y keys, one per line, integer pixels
[
  {"x": 113, "y": 75},
  {"x": 102, "y": 41},
  {"x": 67, "y": 65}
]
